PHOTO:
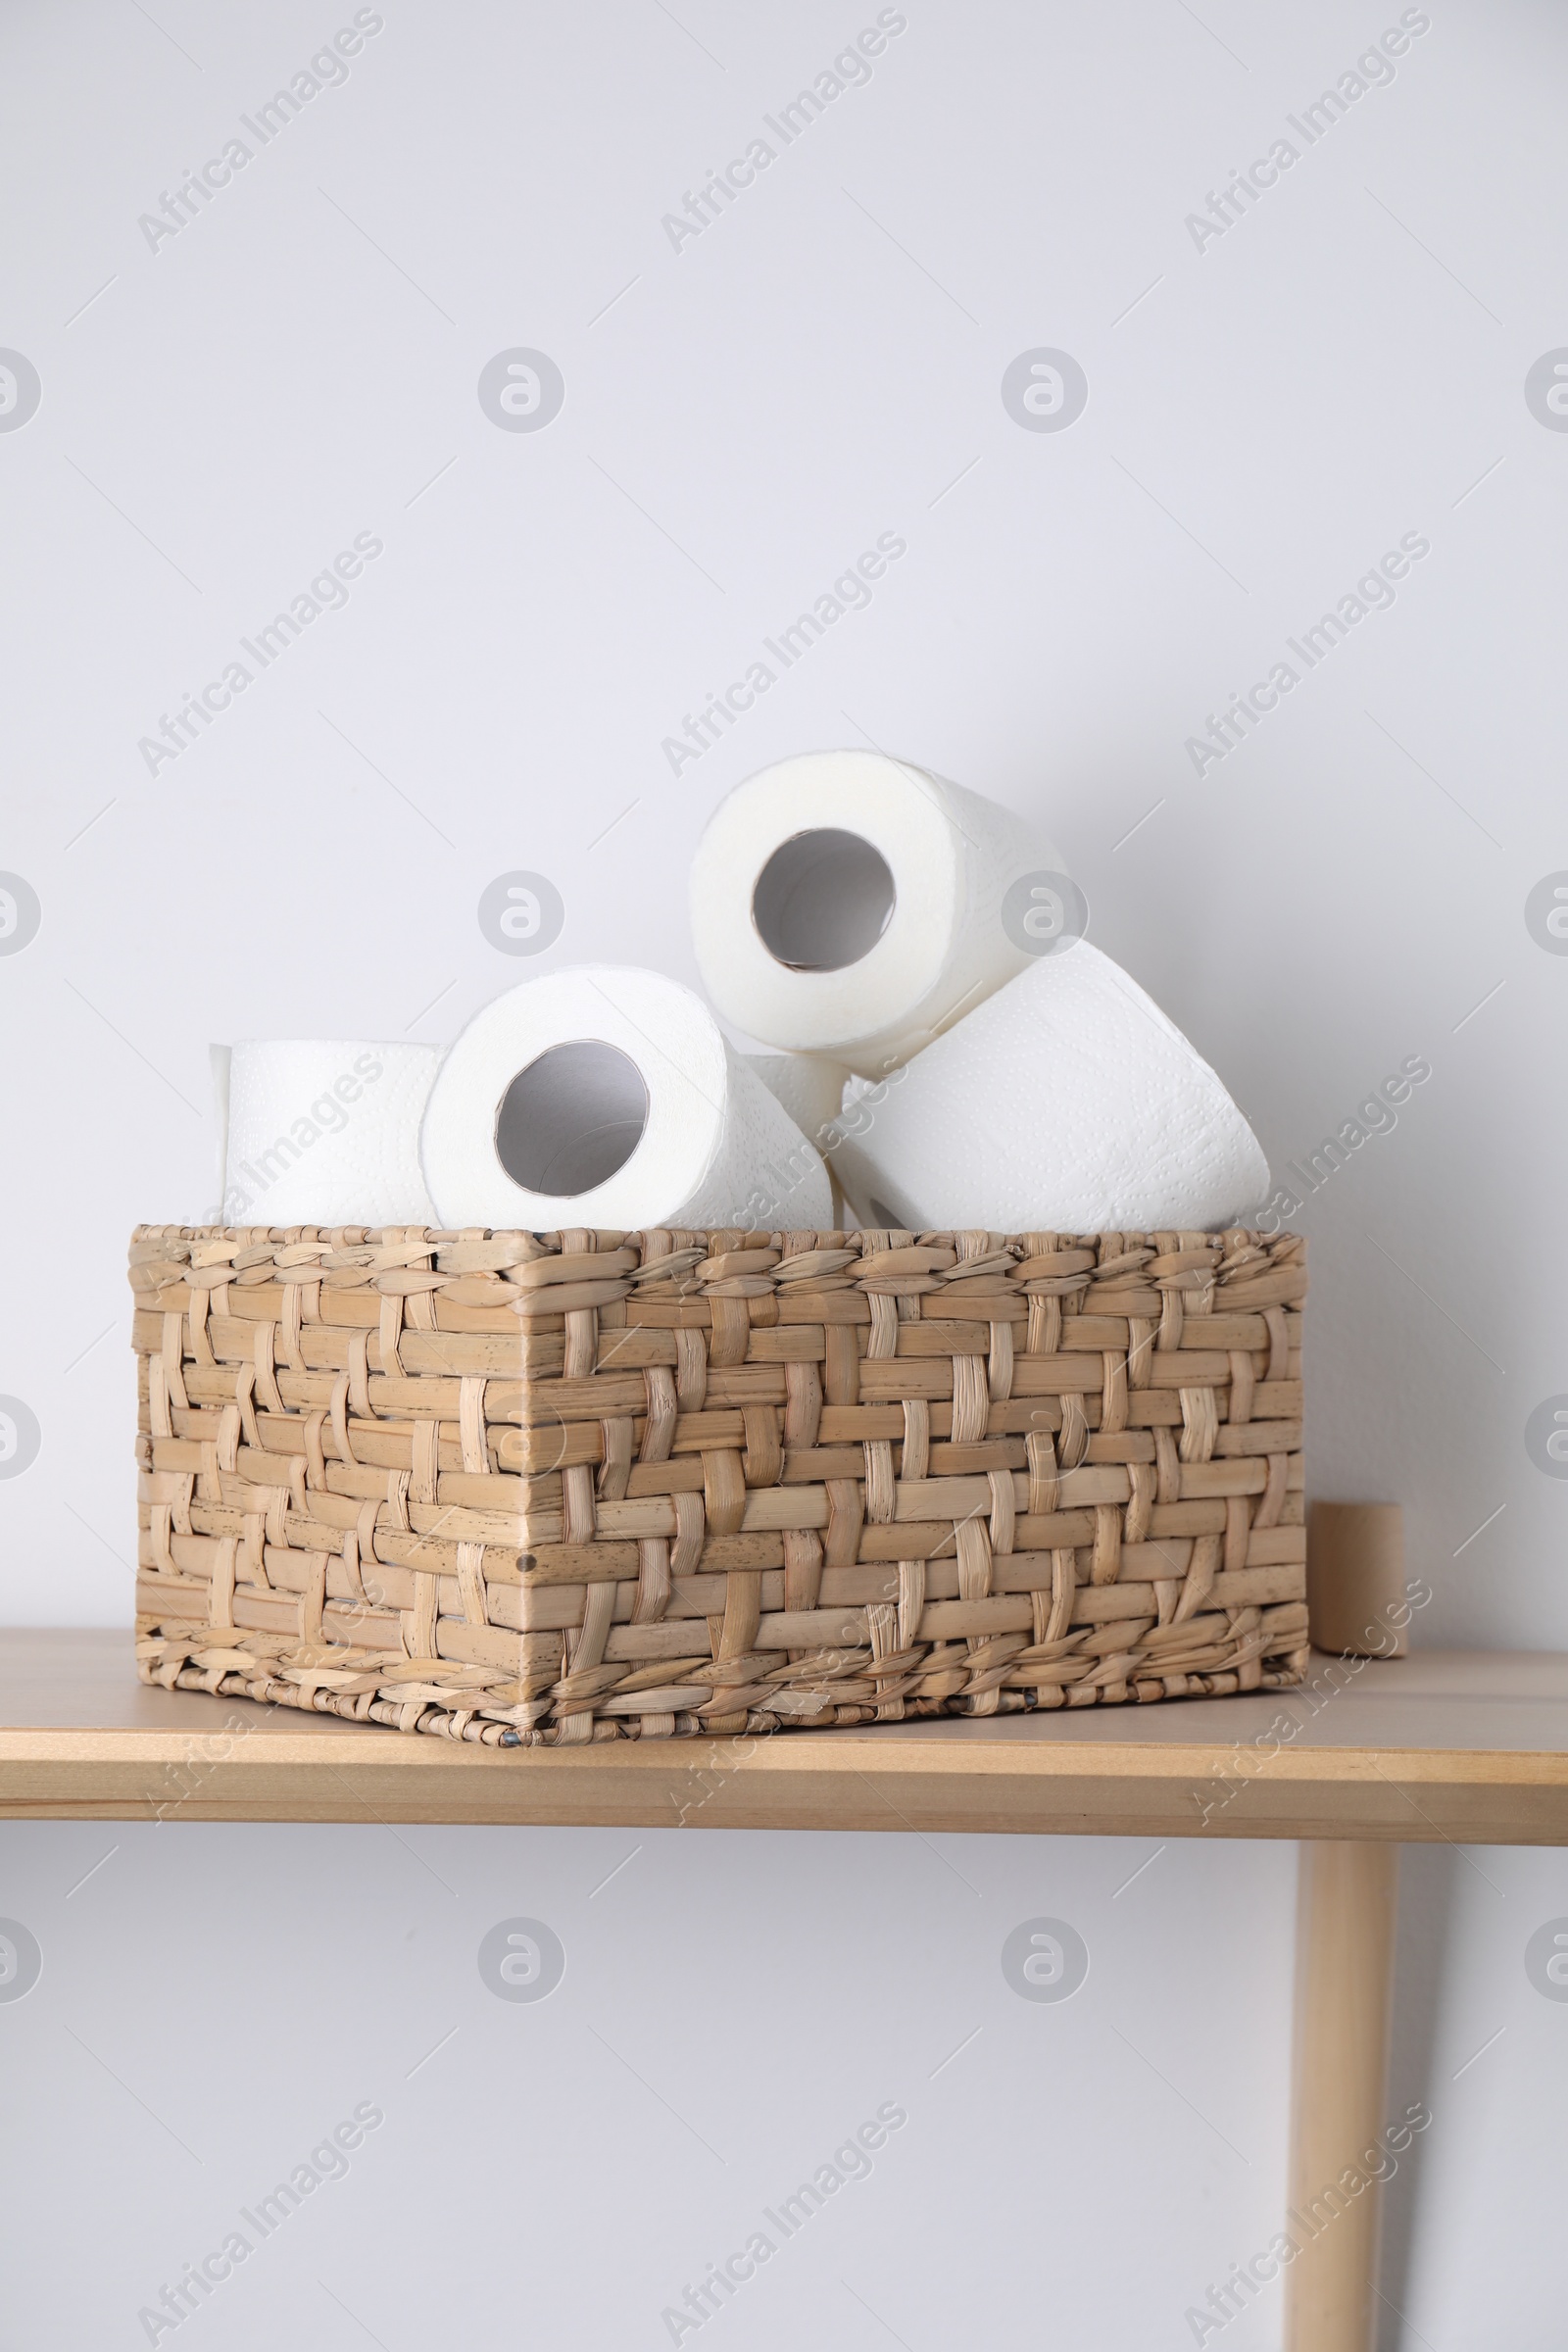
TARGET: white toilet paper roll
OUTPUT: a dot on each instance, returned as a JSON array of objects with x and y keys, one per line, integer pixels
[
  {"x": 850, "y": 904},
  {"x": 325, "y": 1132},
  {"x": 219, "y": 1059},
  {"x": 607, "y": 1096},
  {"x": 1066, "y": 1102},
  {"x": 809, "y": 1087}
]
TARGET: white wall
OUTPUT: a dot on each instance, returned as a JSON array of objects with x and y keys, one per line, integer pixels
[{"x": 1267, "y": 416}]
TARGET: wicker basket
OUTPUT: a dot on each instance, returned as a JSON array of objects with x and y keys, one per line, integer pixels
[{"x": 559, "y": 1487}]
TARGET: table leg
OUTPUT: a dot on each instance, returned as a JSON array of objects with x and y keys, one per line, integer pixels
[{"x": 1344, "y": 1985}]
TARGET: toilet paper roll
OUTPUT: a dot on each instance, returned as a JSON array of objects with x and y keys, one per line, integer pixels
[
  {"x": 606, "y": 1096},
  {"x": 219, "y": 1059},
  {"x": 1066, "y": 1102},
  {"x": 850, "y": 904},
  {"x": 812, "y": 1090},
  {"x": 809, "y": 1088},
  {"x": 325, "y": 1132},
  {"x": 1356, "y": 1599}
]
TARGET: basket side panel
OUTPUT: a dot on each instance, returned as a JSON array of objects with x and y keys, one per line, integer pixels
[{"x": 593, "y": 1485}]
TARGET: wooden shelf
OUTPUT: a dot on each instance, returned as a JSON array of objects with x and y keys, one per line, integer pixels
[{"x": 1469, "y": 1746}]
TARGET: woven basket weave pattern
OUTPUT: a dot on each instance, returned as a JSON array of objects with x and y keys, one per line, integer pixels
[{"x": 560, "y": 1487}]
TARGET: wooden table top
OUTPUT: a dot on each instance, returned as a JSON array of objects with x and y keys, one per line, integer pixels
[{"x": 1463, "y": 1744}]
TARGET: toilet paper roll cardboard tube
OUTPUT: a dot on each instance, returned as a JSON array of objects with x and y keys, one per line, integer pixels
[{"x": 1355, "y": 1590}]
